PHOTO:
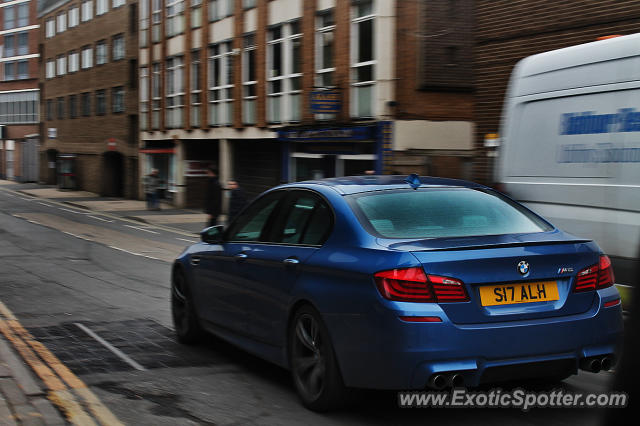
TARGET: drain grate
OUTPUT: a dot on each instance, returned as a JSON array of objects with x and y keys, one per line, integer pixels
[{"x": 145, "y": 341}]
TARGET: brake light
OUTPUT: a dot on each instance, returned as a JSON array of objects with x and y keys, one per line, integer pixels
[
  {"x": 595, "y": 276},
  {"x": 605, "y": 276},
  {"x": 413, "y": 285}
]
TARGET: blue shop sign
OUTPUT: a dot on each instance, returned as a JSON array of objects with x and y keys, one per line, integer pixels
[
  {"x": 344, "y": 134},
  {"x": 325, "y": 101}
]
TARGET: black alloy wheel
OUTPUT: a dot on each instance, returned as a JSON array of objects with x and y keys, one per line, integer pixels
[
  {"x": 185, "y": 320},
  {"x": 314, "y": 367}
]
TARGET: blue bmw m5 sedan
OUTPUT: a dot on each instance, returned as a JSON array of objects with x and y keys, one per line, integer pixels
[{"x": 383, "y": 282}]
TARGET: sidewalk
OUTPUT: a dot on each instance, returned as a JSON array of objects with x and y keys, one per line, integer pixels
[
  {"x": 23, "y": 401},
  {"x": 184, "y": 219}
]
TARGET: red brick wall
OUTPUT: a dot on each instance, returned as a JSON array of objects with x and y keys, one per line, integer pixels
[
  {"x": 508, "y": 31},
  {"x": 412, "y": 103}
]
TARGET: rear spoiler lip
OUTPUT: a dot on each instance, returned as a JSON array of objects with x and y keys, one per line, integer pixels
[{"x": 502, "y": 245}]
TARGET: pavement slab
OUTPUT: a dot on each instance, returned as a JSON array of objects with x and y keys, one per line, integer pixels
[{"x": 54, "y": 193}]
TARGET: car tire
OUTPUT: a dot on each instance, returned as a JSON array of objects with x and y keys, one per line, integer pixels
[
  {"x": 185, "y": 320},
  {"x": 314, "y": 367}
]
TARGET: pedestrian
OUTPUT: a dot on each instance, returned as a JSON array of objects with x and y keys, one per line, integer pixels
[
  {"x": 212, "y": 199},
  {"x": 151, "y": 185},
  {"x": 237, "y": 199}
]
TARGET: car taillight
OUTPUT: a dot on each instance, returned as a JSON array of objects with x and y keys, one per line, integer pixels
[
  {"x": 605, "y": 276},
  {"x": 413, "y": 285},
  {"x": 595, "y": 276}
]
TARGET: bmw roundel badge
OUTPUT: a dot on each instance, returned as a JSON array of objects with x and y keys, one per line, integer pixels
[{"x": 523, "y": 267}]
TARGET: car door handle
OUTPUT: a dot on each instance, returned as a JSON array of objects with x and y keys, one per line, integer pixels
[
  {"x": 195, "y": 260},
  {"x": 240, "y": 256},
  {"x": 291, "y": 261}
]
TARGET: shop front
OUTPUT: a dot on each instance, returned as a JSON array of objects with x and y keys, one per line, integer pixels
[{"x": 317, "y": 153}]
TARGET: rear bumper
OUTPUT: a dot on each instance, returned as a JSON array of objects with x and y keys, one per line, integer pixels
[{"x": 378, "y": 350}]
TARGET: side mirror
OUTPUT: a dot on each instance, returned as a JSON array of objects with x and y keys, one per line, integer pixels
[{"x": 212, "y": 234}]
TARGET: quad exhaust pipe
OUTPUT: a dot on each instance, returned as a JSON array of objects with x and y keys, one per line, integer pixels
[
  {"x": 440, "y": 381},
  {"x": 597, "y": 363}
]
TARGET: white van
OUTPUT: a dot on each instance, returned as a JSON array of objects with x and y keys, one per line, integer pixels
[{"x": 570, "y": 144}]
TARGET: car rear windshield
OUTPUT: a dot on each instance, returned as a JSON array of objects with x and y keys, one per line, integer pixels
[{"x": 438, "y": 213}]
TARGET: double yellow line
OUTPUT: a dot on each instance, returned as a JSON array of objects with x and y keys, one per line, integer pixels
[{"x": 62, "y": 385}]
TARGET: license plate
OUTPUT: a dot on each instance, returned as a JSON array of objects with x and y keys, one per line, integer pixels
[{"x": 506, "y": 294}]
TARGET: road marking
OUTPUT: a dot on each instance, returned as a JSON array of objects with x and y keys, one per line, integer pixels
[
  {"x": 26, "y": 199},
  {"x": 44, "y": 363},
  {"x": 99, "y": 218},
  {"x": 136, "y": 254},
  {"x": 112, "y": 348},
  {"x": 71, "y": 211},
  {"x": 44, "y": 204},
  {"x": 142, "y": 229},
  {"x": 184, "y": 239}
]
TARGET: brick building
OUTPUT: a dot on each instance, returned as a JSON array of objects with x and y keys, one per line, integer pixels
[
  {"x": 19, "y": 94},
  {"x": 286, "y": 90},
  {"x": 508, "y": 31},
  {"x": 89, "y": 99}
]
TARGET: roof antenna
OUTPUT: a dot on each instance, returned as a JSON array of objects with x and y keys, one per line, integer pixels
[{"x": 413, "y": 180}]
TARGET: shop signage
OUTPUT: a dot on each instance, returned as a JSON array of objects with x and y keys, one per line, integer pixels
[
  {"x": 325, "y": 101},
  {"x": 196, "y": 168},
  {"x": 344, "y": 134}
]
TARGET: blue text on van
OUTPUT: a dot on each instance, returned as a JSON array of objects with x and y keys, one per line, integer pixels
[{"x": 588, "y": 122}]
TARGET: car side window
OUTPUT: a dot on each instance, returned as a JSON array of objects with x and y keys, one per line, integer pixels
[
  {"x": 307, "y": 222},
  {"x": 319, "y": 226},
  {"x": 250, "y": 226}
]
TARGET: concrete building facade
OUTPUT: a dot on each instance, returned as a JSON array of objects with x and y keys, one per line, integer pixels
[
  {"x": 89, "y": 96},
  {"x": 287, "y": 90},
  {"x": 508, "y": 31},
  {"x": 19, "y": 94}
]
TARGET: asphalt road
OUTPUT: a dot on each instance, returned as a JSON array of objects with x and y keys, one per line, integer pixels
[{"x": 73, "y": 278}]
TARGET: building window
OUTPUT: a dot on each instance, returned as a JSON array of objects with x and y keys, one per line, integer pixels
[
  {"x": 102, "y": 54},
  {"x": 19, "y": 107},
  {"x": 23, "y": 43},
  {"x": 74, "y": 17},
  {"x": 175, "y": 17},
  {"x": 101, "y": 102},
  {"x": 325, "y": 68},
  {"x": 9, "y": 17},
  {"x": 144, "y": 98},
  {"x": 144, "y": 23},
  {"x": 61, "y": 65},
  {"x": 49, "y": 109},
  {"x": 118, "y": 3},
  {"x": 73, "y": 106},
  {"x": 174, "y": 92},
  {"x": 156, "y": 96},
  {"x": 102, "y": 7},
  {"x": 248, "y": 4},
  {"x": 23, "y": 15},
  {"x": 60, "y": 103},
  {"x": 156, "y": 20},
  {"x": 220, "y": 84},
  {"x": 284, "y": 72},
  {"x": 87, "y": 57},
  {"x": 118, "y": 47},
  {"x": 87, "y": 10},
  {"x": 196, "y": 88},
  {"x": 249, "y": 81},
  {"x": 219, "y": 9},
  {"x": 50, "y": 28},
  {"x": 362, "y": 60},
  {"x": 50, "y": 71},
  {"x": 86, "y": 104},
  {"x": 117, "y": 99},
  {"x": 74, "y": 61},
  {"x": 10, "y": 71},
  {"x": 9, "y": 45},
  {"x": 196, "y": 13},
  {"x": 61, "y": 22}
]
